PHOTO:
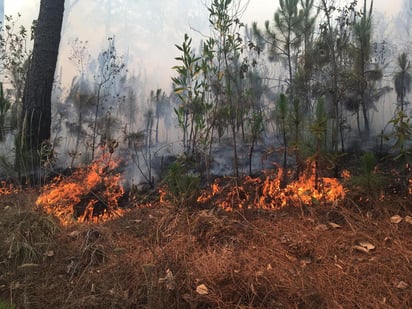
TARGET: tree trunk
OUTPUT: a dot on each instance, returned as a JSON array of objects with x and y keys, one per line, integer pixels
[{"x": 36, "y": 112}]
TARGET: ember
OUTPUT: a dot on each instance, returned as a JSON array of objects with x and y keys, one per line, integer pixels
[
  {"x": 7, "y": 188},
  {"x": 410, "y": 186},
  {"x": 268, "y": 193},
  {"x": 88, "y": 194}
]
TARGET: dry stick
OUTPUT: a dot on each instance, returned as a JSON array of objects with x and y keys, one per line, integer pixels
[
  {"x": 81, "y": 275},
  {"x": 350, "y": 225}
]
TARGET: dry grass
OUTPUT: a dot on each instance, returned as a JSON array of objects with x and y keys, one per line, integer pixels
[{"x": 166, "y": 258}]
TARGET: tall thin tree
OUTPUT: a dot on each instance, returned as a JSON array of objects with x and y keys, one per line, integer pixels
[
  {"x": 403, "y": 80},
  {"x": 363, "y": 41},
  {"x": 36, "y": 112}
]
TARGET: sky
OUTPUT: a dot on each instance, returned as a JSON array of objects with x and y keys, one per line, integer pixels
[
  {"x": 148, "y": 31},
  {"x": 258, "y": 8}
]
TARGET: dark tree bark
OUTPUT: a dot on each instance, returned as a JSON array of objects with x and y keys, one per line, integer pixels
[{"x": 36, "y": 111}]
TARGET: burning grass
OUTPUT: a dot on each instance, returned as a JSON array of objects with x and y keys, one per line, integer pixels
[
  {"x": 7, "y": 188},
  {"x": 88, "y": 194},
  {"x": 331, "y": 251},
  {"x": 268, "y": 193}
]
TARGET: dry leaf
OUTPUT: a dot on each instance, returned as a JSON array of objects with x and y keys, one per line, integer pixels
[
  {"x": 335, "y": 225},
  {"x": 28, "y": 265},
  {"x": 291, "y": 258},
  {"x": 396, "y": 219},
  {"x": 169, "y": 280},
  {"x": 321, "y": 227},
  {"x": 259, "y": 273},
  {"x": 202, "y": 289},
  {"x": 367, "y": 245},
  {"x": 361, "y": 249},
  {"x": 408, "y": 219},
  {"x": 49, "y": 253},
  {"x": 402, "y": 285},
  {"x": 364, "y": 246},
  {"x": 74, "y": 234}
]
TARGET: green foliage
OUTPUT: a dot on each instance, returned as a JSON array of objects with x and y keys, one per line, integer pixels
[
  {"x": 14, "y": 47},
  {"x": 15, "y": 56},
  {"x": 402, "y": 133},
  {"x": 319, "y": 124},
  {"x": 214, "y": 87},
  {"x": 403, "y": 79},
  {"x": 182, "y": 186},
  {"x": 369, "y": 180},
  {"x": 256, "y": 124},
  {"x": 256, "y": 128},
  {"x": 282, "y": 111},
  {"x": 362, "y": 30},
  {"x": 4, "y": 109},
  {"x": 368, "y": 161},
  {"x": 191, "y": 90},
  {"x": 5, "y": 305}
]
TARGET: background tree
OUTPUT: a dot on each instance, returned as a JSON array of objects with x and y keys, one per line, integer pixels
[
  {"x": 110, "y": 66},
  {"x": 286, "y": 39},
  {"x": 305, "y": 66},
  {"x": 224, "y": 18},
  {"x": 403, "y": 79},
  {"x": 36, "y": 113},
  {"x": 362, "y": 30},
  {"x": 332, "y": 61}
]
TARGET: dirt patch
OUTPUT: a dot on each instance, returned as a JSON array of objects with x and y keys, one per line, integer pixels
[{"x": 343, "y": 256}]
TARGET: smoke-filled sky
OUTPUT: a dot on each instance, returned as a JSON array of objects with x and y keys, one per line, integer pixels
[
  {"x": 258, "y": 8},
  {"x": 146, "y": 31}
]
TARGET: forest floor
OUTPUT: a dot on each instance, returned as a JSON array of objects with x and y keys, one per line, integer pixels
[{"x": 347, "y": 255}]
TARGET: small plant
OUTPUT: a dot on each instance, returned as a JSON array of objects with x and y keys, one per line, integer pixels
[
  {"x": 4, "y": 305},
  {"x": 369, "y": 179},
  {"x": 4, "y": 108},
  {"x": 281, "y": 117},
  {"x": 402, "y": 133},
  {"x": 182, "y": 186},
  {"x": 318, "y": 129},
  {"x": 402, "y": 147}
]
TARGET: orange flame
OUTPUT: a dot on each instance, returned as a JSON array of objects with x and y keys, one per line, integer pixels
[
  {"x": 79, "y": 195},
  {"x": 269, "y": 194},
  {"x": 7, "y": 188}
]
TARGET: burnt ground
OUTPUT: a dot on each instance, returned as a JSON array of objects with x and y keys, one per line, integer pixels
[{"x": 354, "y": 254}]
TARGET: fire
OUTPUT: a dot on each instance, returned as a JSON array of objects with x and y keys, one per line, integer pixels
[
  {"x": 268, "y": 193},
  {"x": 88, "y": 194},
  {"x": 7, "y": 188}
]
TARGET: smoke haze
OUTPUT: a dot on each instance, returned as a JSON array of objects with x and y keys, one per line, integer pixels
[{"x": 145, "y": 34}]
